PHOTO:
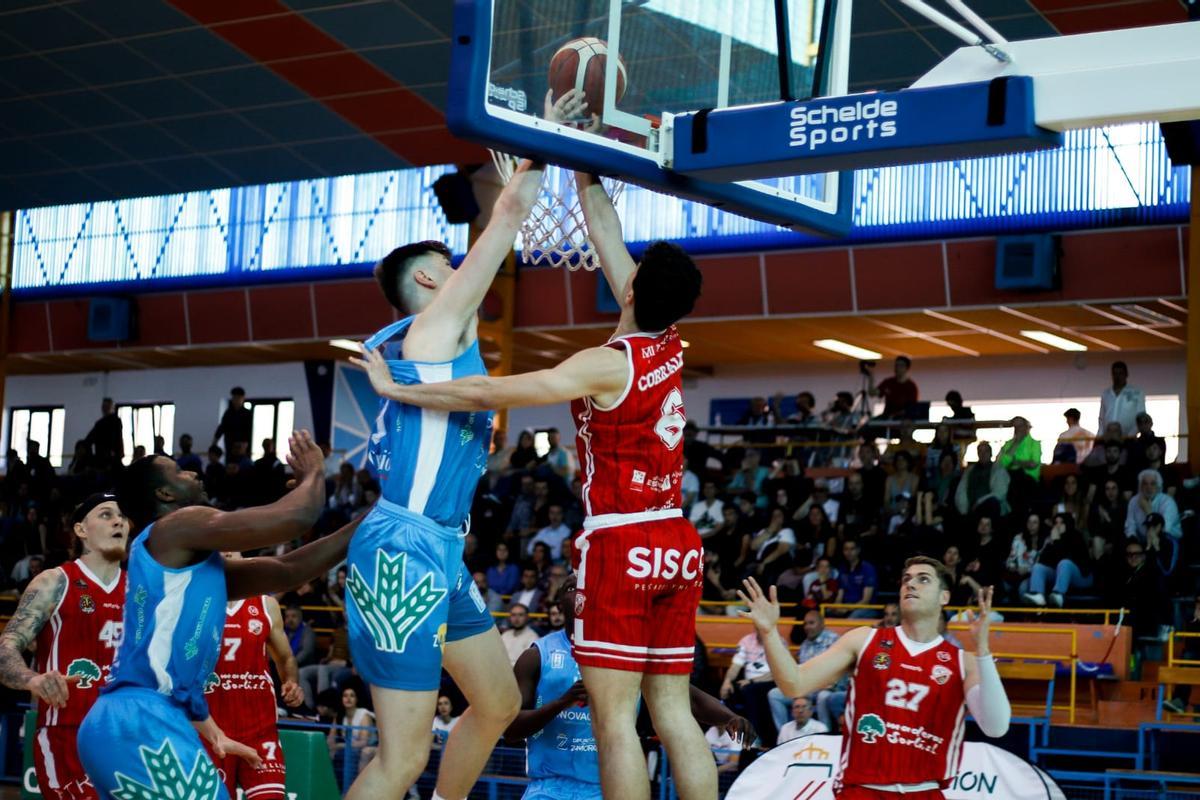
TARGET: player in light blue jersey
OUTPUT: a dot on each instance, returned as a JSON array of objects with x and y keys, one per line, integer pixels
[
  {"x": 142, "y": 737},
  {"x": 412, "y": 606},
  {"x": 556, "y": 722}
]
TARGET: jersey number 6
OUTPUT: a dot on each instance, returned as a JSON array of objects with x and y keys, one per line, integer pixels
[{"x": 670, "y": 425}]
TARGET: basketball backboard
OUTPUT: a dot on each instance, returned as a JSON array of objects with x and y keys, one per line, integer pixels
[{"x": 679, "y": 56}]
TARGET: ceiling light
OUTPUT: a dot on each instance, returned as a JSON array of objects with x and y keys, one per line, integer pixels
[
  {"x": 1144, "y": 314},
  {"x": 845, "y": 349},
  {"x": 1045, "y": 337},
  {"x": 346, "y": 344}
]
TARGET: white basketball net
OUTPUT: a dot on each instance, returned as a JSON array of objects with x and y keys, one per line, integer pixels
[{"x": 555, "y": 233}]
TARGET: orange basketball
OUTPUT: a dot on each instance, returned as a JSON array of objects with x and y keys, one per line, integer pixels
[{"x": 581, "y": 64}]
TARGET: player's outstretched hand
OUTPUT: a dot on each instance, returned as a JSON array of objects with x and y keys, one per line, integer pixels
[
  {"x": 376, "y": 368},
  {"x": 292, "y": 694},
  {"x": 577, "y": 695},
  {"x": 53, "y": 688},
  {"x": 981, "y": 622},
  {"x": 764, "y": 610},
  {"x": 568, "y": 108},
  {"x": 304, "y": 456},
  {"x": 741, "y": 731}
]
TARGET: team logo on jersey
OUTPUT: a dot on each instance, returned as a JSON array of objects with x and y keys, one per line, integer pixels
[
  {"x": 558, "y": 659},
  {"x": 943, "y": 656},
  {"x": 390, "y": 610},
  {"x": 579, "y": 601},
  {"x": 89, "y": 672},
  {"x": 881, "y": 661},
  {"x": 255, "y": 626},
  {"x": 887, "y": 644},
  {"x": 638, "y": 481},
  {"x": 211, "y": 682},
  {"x": 940, "y": 674},
  {"x": 86, "y": 604},
  {"x": 80, "y": 583},
  {"x": 253, "y": 610},
  {"x": 168, "y": 778},
  {"x": 869, "y": 727}
]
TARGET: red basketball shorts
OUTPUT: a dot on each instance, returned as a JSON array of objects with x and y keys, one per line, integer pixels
[
  {"x": 863, "y": 793},
  {"x": 264, "y": 783},
  {"x": 60, "y": 774},
  {"x": 639, "y": 587}
]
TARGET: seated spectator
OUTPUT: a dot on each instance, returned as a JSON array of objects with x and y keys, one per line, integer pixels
[
  {"x": 556, "y": 620},
  {"x": 300, "y": 636},
  {"x": 934, "y": 504},
  {"x": 524, "y": 456},
  {"x": 503, "y": 576},
  {"x": 557, "y": 459},
  {"x": 824, "y": 587},
  {"x": 753, "y": 517},
  {"x": 801, "y": 723},
  {"x": 499, "y": 461},
  {"x": 522, "y": 522},
  {"x": 759, "y": 414},
  {"x": 899, "y": 392},
  {"x": 1075, "y": 442},
  {"x": 720, "y": 586},
  {"x": 1151, "y": 499},
  {"x": 319, "y": 677},
  {"x": 772, "y": 549},
  {"x": 491, "y": 598},
  {"x": 983, "y": 487},
  {"x": 1172, "y": 479},
  {"x": 751, "y": 476},
  {"x": 873, "y": 475},
  {"x": 820, "y": 497},
  {"x": 905, "y": 443},
  {"x": 844, "y": 421},
  {"x": 1144, "y": 592},
  {"x": 1021, "y": 456},
  {"x": 540, "y": 560},
  {"x": 1112, "y": 467},
  {"x": 518, "y": 636},
  {"x": 1064, "y": 564},
  {"x": 354, "y": 739},
  {"x": 965, "y": 430},
  {"x": 186, "y": 460},
  {"x": 748, "y": 681},
  {"x": 984, "y": 559},
  {"x": 444, "y": 721},
  {"x": 1145, "y": 437},
  {"x": 960, "y": 592},
  {"x": 729, "y": 541},
  {"x": 1022, "y": 555},
  {"x": 902, "y": 481},
  {"x": 858, "y": 580},
  {"x": 707, "y": 512},
  {"x": 857, "y": 513},
  {"x": 1073, "y": 500},
  {"x": 1106, "y": 521},
  {"x": 817, "y": 639},
  {"x": 701, "y": 456},
  {"x": 528, "y": 594},
  {"x": 215, "y": 478},
  {"x": 555, "y": 579},
  {"x": 900, "y": 523},
  {"x": 1162, "y": 549},
  {"x": 891, "y": 616},
  {"x": 814, "y": 536},
  {"x": 726, "y": 750},
  {"x": 553, "y": 534},
  {"x": 689, "y": 487},
  {"x": 941, "y": 445}
]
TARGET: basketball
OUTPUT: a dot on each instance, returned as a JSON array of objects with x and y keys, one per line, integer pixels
[{"x": 581, "y": 64}]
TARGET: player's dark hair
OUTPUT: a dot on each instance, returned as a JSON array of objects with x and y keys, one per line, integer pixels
[
  {"x": 665, "y": 287},
  {"x": 136, "y": 491},
  {"x": 945, "y": 577},
  {"x": 907, "y": 361},
  {"x": 394, "y": 269}
]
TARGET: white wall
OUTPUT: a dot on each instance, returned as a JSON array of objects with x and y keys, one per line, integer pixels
[
  {"x": 1033, "y": 377},
  {"x": 199, "y": 395}
]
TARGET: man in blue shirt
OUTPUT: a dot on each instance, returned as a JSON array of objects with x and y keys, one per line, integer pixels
[{"x": 858, "y": 580}]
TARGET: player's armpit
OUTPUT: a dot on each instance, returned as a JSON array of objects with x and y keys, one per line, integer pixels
[{"x": 37, "y": 603}]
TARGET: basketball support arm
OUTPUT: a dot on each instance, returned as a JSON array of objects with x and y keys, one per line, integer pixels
[{"x": 962, "y": 32}]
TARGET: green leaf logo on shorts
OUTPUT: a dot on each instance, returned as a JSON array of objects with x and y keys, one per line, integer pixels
[
  {"x": 167, "y": 779},
  {"x": 392, "y": 612}
]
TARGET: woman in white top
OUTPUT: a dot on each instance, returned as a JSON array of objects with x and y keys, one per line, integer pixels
[
  {"x": 772, "y": 548},
  {"x": 443, "y": 722},
  {"x": 357, "y": 729}
]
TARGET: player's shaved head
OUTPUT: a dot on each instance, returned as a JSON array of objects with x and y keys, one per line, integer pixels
[{"x": 394, "y": 273}]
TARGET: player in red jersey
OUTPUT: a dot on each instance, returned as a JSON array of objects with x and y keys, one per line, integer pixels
[
  {"x": 639, "y": 561},
  {"x": 241, "y": 694},
  {"x": 903, "y": 728},
  {"x": 74, "y": 613}
]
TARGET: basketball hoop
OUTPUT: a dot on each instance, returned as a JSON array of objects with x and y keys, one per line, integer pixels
[{"x": 555, "y": 233}]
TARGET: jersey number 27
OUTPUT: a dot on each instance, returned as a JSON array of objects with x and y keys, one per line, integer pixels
[{"x": 901, "y": 694}]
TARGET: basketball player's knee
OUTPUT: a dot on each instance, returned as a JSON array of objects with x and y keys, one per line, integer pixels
[
  {"x": 501, "y": 705},
  {"x": 402, "y": 766}
]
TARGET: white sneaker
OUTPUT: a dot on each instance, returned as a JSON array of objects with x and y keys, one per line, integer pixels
[
  {"x": 1056, "y": 600},
  {"x": 1037, "y": 598}
]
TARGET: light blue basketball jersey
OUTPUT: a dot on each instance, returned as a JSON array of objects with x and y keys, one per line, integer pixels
[
  {"x": 428, "y": 461},
  {"x": 566, "y": 748},
  {"x": 174, "y": 619}
]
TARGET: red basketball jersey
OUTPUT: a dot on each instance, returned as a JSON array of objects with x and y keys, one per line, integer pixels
[
  {"x": 904, "y": 712},
  {"x": 80, "y": 638},
  {"x": 631, "y": 453},
  {"x": 240, "y": 692}
]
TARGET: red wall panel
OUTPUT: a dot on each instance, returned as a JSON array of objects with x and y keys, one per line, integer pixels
[
  {"x": 907, "y": 276},
  {"x": 809, "y": 281},
  {"x": 281, "y": 312},
  {"x": 1127, "y": 263},
  {"x": 28, "y": 332},
  {"x": 69, "y": 323},
  {"x": 217, "y": 317},
  {"x": 352, "y": 309},
  {"x": 160, "y": 320},
  {"x": 732, "y": 287},
  {"x": 541, "y": 298}
]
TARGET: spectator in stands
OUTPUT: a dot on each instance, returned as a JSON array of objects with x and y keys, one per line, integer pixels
[
  {"x": 524, "y": 455},
  {"x": 557, "y": 459},
  {"x": 41, "y": 471},
  {"x": 528, "y": 594},
  {"x": 801, "y": 723},
  {"x": 824, "y": 587},
  {"x": 300, "y": 636},
  {"x": 707, "y": 512},
  {"x": 1073, "y": 500},
  {"x": 960, "y": 591},
  {"x": 702, "y": 456},
  {"x": 444, "y": 721},
  {"x": 873, "y": 475},
  {"x": 187, "y": 460},
  {"x": 522, "y": 518},
  {"x": 491, "y": 598},
  {"x": 941, "y": 445},
  {"x": 500, "y": 459},
  {"x": 139, "y": 452},
  {"x": 1182, "y": 695},
  {"x": 540, "y": 560},
  {"x": 269, "y": 476},
  {"x": 726, "y": 750},
  {"x": 347, "y": 494},
  {"x": 518, "y": 636},
  {"x": 759, "y": 414},
  {"x": 753, "y": 517},
  {"x": 817, "y": 639},
  {"x": 858, "y": 580},
  {"x": 1106, "y": 521},
  {"x": 820, "y": 497},
  {"x": 503, "y": 576},
  {"x": 81, "y": 460},
  {"x": 216, "y": 478},
  {"x": 984, "y": 487},
  {"x": 689, "y": 487},
  {"x": 1151, "y": 499},
  {"x": 748, "y": 681},
  {"x": 1064, "y": 564},
  {"x": 1161, "y": 548},
  {"x": 321, "y": 676},
  {"x": 160, "y": 446},
  {"x": 555, "y": 619},
  {"x": 107, "y": 437},
  {"x": 1121, "y": 402},
  {"x": 1145, "y": 594},
  {"x": 1022, "y": 555},
  {"x": 1112, "y": 468},
  {"x": 857, "y": 513},
  {"x": 984, "y": 558},
  {"x": 555, "y": 579},
  {"x": 1075, "y": 442},
  {"x": 1022, "y": 454},
  {"x": 554, "y": 533},
  {"x": 965, "y": 430},
  {"x": 236, "y": 423},
  {"x": 898, "y": 392},
  {"x": 354, "y": 738},
  {"x": 751, "y": 476},
  {"x": 772, "y": 549},
  {"x": 844, "y": 421},
  {"x": 729, "y": 541},
  {"x": 902, "y": 482},
  {"x": 891, "y": 616},
  {"x": 905, "y": 443},
  {"x": 1146, "y": 437},
  {"x": 938, "y": 499},
  {"x": 815, "y": 535}
]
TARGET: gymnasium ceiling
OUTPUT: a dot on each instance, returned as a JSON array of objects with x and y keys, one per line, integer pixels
[{"x": 119, "y": 98}]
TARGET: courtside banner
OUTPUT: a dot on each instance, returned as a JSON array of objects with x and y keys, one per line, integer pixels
[{"x": 803, "y": 769}]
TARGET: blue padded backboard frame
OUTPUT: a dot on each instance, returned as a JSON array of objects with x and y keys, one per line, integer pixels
[{"x": 467, "y": 116}]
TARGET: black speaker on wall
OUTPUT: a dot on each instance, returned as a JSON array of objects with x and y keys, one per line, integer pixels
[
  {"x": 111, "y": 319},
  {"x": 457, "y": 197},
  {"x": 1027, "y": 263}
]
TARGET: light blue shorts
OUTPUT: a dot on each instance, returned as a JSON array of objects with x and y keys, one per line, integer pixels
[
  {"x": 408, "y": 592},
  {"x": 135, "y": 742},
  {"x": 561, "y": 789}
]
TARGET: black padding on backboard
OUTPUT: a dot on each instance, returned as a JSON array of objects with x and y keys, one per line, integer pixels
[
  {"x": 997, "y": 101},
  {"x": 700, "y": 131}
]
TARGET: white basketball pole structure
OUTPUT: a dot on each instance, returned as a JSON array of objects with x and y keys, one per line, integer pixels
[{"x": 967, "y": 35}]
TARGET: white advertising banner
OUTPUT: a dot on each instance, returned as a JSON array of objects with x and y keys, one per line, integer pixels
[{"x": 803, "y": 769}]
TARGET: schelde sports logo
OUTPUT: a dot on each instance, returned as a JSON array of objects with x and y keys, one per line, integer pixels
[{"x": 816, "y": 125}]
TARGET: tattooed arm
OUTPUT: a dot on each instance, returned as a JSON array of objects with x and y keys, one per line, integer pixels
[{"x": 37, "y": 604}]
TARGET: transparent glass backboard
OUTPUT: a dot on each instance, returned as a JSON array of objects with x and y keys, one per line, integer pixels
[{"x": 678, "y": 56}]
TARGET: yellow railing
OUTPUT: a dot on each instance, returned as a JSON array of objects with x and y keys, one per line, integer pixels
[
  {"x": 1172, "y": 661},
  {"x": 1106, "y": 612}
]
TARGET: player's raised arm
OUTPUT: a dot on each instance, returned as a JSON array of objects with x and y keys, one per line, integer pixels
[
  {"x": 986, "y": 698},
  {"x": 179, "y": 536},
  {"x": 281, "y": 653},
  {"x": 793, "y": 679},
  {"x": 250, "y": 577},
  {"x": 595, "y": 372},
  {"x": 38, "y": 603},
  {"x": 604, "y": 231}
]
